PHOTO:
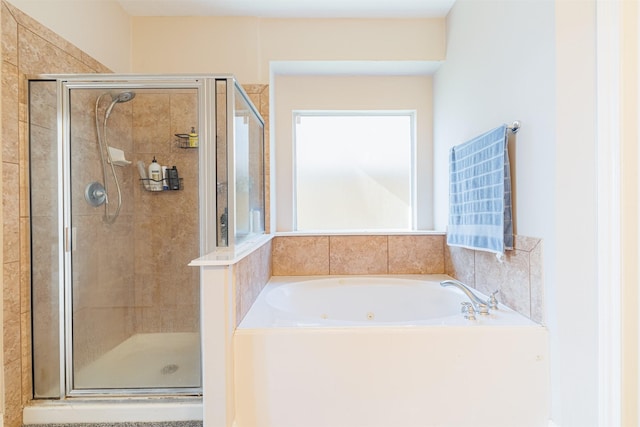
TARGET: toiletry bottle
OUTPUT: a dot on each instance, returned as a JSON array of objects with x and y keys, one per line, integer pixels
[
  {"x": 224, "y": 229},
  {"x": 165, "y": 178},
  {"x": 193, "y": 138},
  {"x": 155, "y": 175},
  {"x": 174, "y": 180},
  {"x": 142, "y": 170}
]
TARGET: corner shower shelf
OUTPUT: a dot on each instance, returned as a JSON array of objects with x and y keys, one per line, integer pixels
[
  {"x": 146, "y": 184},
  {"x": 183, "y": 141}
]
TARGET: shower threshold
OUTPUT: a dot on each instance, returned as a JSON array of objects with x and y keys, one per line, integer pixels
[{"x": 134, "y": 410}]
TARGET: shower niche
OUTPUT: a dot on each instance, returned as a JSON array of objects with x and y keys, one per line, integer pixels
[{"x": 115, "y": 304}]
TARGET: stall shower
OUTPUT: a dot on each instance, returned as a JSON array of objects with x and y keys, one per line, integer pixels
[{"x": 116, "y": 308}]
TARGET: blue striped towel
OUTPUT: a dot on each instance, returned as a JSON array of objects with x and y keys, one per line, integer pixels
[{"x": 480, "y": 194}]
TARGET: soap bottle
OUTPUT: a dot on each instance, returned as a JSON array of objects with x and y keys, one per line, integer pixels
[
  {"x": 155, "y": 175},
  {"x": 193, "y": 138},
  {"x": 165, "y": 178},
  {"x": 174, "y": 179}
]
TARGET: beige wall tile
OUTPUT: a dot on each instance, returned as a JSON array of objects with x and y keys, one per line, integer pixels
[
  {"x": 93, "y": 64},
  {"x": 525, "y": 243},
  {"x": 300, "y": 255},
  {"x": 38, "y": 54},
  {"x": 25, "y": 266},
  {"x": 13, "y": 393},
  {"x": 537, "y": 283},
  {"x": 510, "y": 276},
  {"x": 416, "y": 254},
  {"x": 518, "y": 276},
  {"x": 25, "y": 203},
  {"x": 27, "y": 386},
  {"x": 11, "y": 211},
  {"x": 9, "y": 28},
  {"x": 251, "y": 275},
  {"x": 358, "y": 255},
  {"x": 11, "y": 312},
  {"x": 10, "y": 125},
  {"x": 460, "y": 264}
]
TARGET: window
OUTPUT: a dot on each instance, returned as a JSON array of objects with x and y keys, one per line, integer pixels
[
  {"x": 353, "y": 170},
  {"x": 306, "y": 96}
]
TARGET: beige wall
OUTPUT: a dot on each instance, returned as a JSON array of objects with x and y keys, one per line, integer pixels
[
  {"x": 245, "y": 46},
  {"x": 409, "y": 93},
  {"x": 102, "y": 29},
  {"x": 630, "y": 132}
]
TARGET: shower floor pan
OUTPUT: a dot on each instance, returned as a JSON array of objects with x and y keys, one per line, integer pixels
[
  {"x": 162, "y": 360},
  {"x": 158, "y": 360}
]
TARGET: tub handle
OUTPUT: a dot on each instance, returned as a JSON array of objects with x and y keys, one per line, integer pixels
[
  {"x": 493, "y": 301},
  {"x": 483, "y": 309},
  {"x": 468, "y": 310}
]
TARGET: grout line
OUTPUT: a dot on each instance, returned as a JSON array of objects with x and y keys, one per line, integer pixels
[
  {"x": 388, "y": 255},
  {"x": 329, "y": 254}
]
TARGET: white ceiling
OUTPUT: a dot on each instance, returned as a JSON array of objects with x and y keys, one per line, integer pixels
[{"x": 291, "y": 8}]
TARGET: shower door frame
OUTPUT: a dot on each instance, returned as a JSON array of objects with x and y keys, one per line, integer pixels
[{"x": 205, "y": 86}]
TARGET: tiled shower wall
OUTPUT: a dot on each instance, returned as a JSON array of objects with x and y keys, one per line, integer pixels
[
  {"x": 166, "y": 224},
  {"x": 518, "y": 276}
]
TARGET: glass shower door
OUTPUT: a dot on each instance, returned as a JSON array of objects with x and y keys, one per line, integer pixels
[
  {"x": 115, "y": 304},
  {"x": 134, "y": 300}
]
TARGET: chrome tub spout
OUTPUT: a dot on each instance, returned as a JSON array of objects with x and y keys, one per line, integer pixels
[{"x": 480, "y": 306}]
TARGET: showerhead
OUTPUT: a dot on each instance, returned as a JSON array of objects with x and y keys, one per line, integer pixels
[
  {"x": 123, "y": 96},
  {"x": 117, "y": 98}
]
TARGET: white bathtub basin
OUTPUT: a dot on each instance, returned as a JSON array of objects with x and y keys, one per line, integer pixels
[
  {"x": 294, "y": 367},
  {"x": 350, "y": 301}
]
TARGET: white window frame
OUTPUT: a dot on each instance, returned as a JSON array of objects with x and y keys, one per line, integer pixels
[{"x": 411, "y": 114}]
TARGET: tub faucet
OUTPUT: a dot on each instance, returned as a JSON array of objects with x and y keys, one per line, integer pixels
[{"x": 480, "y": 306}]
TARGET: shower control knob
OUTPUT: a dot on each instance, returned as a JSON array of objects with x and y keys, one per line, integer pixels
[{"x": 95, "y": 194}]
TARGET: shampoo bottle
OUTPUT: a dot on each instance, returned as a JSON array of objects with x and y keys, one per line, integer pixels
[
  {"x": 174, "y": 179},
  {"x": 165, "y": 178},
  {"x": 193, "y": 138},
  {"x": 142, "y": 170},
  {"x": 155, "y": 175}
]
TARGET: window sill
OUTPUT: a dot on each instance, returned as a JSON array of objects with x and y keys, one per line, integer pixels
[{"x": 362, "y": 233}]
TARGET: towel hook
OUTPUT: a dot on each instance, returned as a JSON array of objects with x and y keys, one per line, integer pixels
[{"x": 515, "y": 126}]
